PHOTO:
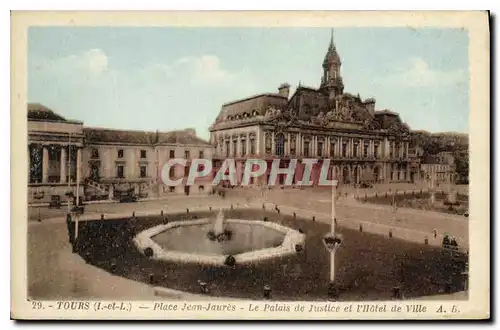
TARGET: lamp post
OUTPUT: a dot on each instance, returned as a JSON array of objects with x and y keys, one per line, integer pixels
[
  {"x": 332, "y": 241},
  {"x": 332, "y": 232}
]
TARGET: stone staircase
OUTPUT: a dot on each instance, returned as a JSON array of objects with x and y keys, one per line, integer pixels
[{"x": 96, "y": 187}]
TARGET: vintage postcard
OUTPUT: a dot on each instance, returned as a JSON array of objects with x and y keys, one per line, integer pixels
[{"x": 250, "y": 165}]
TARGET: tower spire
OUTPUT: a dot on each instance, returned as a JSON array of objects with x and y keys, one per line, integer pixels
[{"x": 331, "y": 47}]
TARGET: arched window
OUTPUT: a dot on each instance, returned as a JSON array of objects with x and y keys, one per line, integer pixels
[{"x": 280, "y": 144}]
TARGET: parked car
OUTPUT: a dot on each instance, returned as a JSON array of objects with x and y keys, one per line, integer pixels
[{"x": 126, "y": 196}]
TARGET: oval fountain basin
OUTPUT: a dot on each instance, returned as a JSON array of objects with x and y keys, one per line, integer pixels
[
  {"x": 250, "y": 241},
  {"x": 245, "y": 237}
]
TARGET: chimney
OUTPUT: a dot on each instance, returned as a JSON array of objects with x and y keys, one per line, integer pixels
[
  {"x": 284, "y": 89},
  {"x": 370, "y": 105}
]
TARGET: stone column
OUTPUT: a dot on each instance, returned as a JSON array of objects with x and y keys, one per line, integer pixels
[
  {"x": 287, "y": 144},
  {"x": 78, "y": 164},
  {"x": 312, "y": 146},
  {"x": 64, "y": 165},
  {"x": 273, "y": 144},
  {"x": 247, "y": 141},
  {"x": 45, "y": 165},
  {"x": 300, "y": 147},
  {"x": 328, "y": 143}
]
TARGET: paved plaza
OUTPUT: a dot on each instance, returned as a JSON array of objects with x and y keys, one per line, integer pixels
[{"x": 49, "y": 250}]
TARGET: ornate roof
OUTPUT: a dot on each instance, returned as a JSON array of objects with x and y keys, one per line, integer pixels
[
  {"x": 104, "y": 135},
  {"x": 37, "y": 111},
  {"x": 251, "y": 106}
]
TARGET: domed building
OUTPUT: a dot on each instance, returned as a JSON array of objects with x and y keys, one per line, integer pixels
[
  {"x": 65, "y": 157},
  {"x": 362, "y": 143}
]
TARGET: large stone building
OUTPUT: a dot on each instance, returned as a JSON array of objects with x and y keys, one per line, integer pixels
[
  {"x": 440, "y": 168},
  {"x": 105, "y": 162},
  {"x": 362, "y": 143}
]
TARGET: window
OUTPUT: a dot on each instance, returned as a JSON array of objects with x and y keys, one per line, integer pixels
[
  {"x": 252, "y": 146},
  {"x": 365, "y": 150},
  {"x": 344, "y": 149},
  {"x": 235, "y": 147},
  {"x": 332, "y": 149},
  {"x": 186, "y": 171},
  {"x": 355, "y": 150},
  {"x": 186, "y": 154},
  {"x": 171, "y": 189},
  {"x": 172, "y": 154},
  {"x": 201, "y": 154},
  {"x": 243, "y": 147},
  {"x": 119, "y": 171},
  {"x": 95, "y": 153},
  {"x": 53, "y": 153},
  {"x": 227, "y": 148},
  {"x": 280, "y": 144},
  {"x": 143, "y": 171},
  {"x": 320, "y": 149},
  {"x": 143, "y": 153},
  {"x": 375, "y": 150},
  {"x": 171, "y": 172},
  {"x": 306, "y": 148},
  {"x": 120, "y": 153}
]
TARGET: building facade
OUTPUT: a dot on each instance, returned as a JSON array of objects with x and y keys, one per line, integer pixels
[
  {"x": 106, "y": 162},
  {"x": 362, "y": 144},
  {"x": 439, "y": 168}
]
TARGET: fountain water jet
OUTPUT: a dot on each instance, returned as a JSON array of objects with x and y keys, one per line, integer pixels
[
  {"x": 218, "y": 232},
  {"x": 219, "y": 223}
]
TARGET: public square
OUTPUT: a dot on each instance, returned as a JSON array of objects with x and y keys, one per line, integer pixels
[{"x": 47, "y": 257}]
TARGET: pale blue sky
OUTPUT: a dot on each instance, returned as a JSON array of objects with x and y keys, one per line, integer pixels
[{"x": 172, "y": 78}]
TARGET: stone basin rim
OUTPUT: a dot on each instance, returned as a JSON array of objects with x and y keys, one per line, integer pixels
[{"x": 292, "y": 239}]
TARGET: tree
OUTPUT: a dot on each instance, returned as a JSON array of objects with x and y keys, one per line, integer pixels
[{"x": 462, "y": 166}]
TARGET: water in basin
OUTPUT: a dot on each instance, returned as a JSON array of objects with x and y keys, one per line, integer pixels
[{"x": 193, "y": 239}]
